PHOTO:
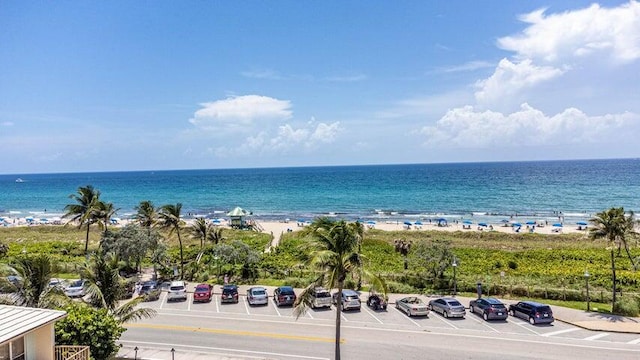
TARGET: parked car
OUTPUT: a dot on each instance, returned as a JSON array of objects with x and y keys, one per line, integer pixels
[
  {"x": 377, "y": 302},
  {"x": 177, "y": 291},
  {"x": 202, "y": 293},
  {"x": 149, "y": 291},
  {"x": 350, "y": 300},
  {"x": 229, "y": 294},
  {"x": 257, "y": 296},
  {"x": 489, "y": 309},
  {"x": 56, "y": 283},
  {"x": 413, "y": 306},
  {"x": 447, "y": 307},
  {"x": 534, "y": 312},
  {"x": 284, "y": 295},
  {"x": 320, "y": 297},
  {"x": 76, "y": 289}
]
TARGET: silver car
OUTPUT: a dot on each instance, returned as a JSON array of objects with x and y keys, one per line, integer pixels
[
  {"x": 257, "y": 296},
  {"x": 76, "y": 289},
  {"x": 447, "y": 307},
  {"x": 412, "y": 306}
]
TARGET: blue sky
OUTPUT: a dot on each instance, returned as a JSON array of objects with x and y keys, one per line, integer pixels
[{"x": 102, "y": 86}]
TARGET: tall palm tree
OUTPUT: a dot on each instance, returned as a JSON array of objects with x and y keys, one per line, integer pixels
[
  {"x": 199, "y": 230},
  {"x": 106, "y": 289},
  {"x": 170, "y": 220},
  {"x": 333, "y": 250},
  {"x": 215, "y": 234},
  {"x": 146, "y": 215},
  {"x": 614, "y": 226},
  {"x": 83, "y": 211},
  {"x": 31, "y": 287}
]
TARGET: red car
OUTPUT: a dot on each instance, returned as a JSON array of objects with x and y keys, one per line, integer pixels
[{"x": 202, "y": 293}]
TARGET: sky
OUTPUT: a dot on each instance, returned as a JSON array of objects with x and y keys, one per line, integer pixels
[{"x": 153, "y": 85}]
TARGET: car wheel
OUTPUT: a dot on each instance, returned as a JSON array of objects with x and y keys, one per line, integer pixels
[
  {"x": 513, "y": 313},
  {"x": 429, "y": 307},
  {"x": 471, "y": 309},
  {"x": 532, "y": 321},
  {"x": 485, "y": 317},
  {"x": 445, "y": 314},
  {"x": 409, "y": 313}
]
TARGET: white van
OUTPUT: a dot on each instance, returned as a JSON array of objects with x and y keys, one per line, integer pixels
[{"x": 177, "y": 291}]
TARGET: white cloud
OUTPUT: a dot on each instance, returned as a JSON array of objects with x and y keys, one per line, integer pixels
[
  {"x": 467, "y": 128},
  {"x": 262, "y": 74},
  {"x": 347, "y": 78},
  {"x": 239, "y": 112},
  {"x": 610, "y": 32},
  {"x": 324, "y": 133},
  {"x": 468, "y": 66},
  {"x": 510, "y": 78}
]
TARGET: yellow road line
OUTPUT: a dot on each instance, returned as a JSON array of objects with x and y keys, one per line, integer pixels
[{"x": 232, "y": 332}]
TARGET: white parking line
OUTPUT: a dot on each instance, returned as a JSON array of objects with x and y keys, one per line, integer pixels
[
  {"x": 189, "y": 302},
  {"x": 215, "y": 298},
  {"x": 343, "y": 317},
  {"x": 370, "y": 313},
  {"x": 309, "y": 313},
  {"x": 443, "y": 320},
  {"x": 246, "y": 306},
  {"x": 164, "y": 299},
  {"x": 473, "y": 317},
  {"x": 275, "y": 306},
  {"x": 522, "y": 325},
  {"x": 596, "y": 336},
  {"x": 408, "y": 318},
  {"x": 633, "y": 342},
  {"x": 560, "y": 332}
]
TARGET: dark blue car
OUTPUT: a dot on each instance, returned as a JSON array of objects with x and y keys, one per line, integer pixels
[{"x": 534, "y": 312}]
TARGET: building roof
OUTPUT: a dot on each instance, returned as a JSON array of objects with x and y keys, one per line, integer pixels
[{"x": 17, "y": 321}]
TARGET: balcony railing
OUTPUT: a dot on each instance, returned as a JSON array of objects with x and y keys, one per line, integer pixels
[{"x": 72, "y": 352}]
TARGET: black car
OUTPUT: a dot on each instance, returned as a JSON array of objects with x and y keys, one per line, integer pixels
[
  {"x": 489, "y": 309},
  {"x": 534, "y": 312},
  {"x": 149, "y": 291},
  {"x": 284, "y": 295},
  {"x": 229, "y": 294}
]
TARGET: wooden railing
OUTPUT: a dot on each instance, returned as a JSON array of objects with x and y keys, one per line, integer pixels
[{"x": 72, "y": 352}]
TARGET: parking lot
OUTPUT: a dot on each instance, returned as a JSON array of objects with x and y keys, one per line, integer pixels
[{"x": 389, "y": 319}]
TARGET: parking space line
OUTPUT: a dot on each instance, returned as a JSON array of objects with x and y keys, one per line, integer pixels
[
  {"x": 275, "y": 306},
  {"x": 444, "y": 320},
  {"x": 522, "y": 325},
  {"x": 406, "y": 317},
  {"x": 217, "y": 305},
  {"x": 343, "y": 317},
  {"x": 375, "y": 317},
  {"x": 246, "y": 306},
  {"x": 164, "y": 298},
  {"x": 560, "y": 332},
  {"x": 473, "y": 317},
  {"x": 308, "y": 313},
  {"x": 597, "y": 336},
  {"x": 633, "y": 342},
  {"x": 189, "y": 302}
]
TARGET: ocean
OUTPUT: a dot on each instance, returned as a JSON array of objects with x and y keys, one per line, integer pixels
[{"x": 481, "y": 191}]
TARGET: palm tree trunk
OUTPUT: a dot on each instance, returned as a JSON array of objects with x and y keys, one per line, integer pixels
[
  {"x": 181, "y": 256},
  {"x": 613, "y": 270},
  {"x": 338, "y": 319},
  {"x": 86, "y": 241}
]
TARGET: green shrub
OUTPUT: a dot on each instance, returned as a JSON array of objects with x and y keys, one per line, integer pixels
[
  {"x": 626, "y": 306},
  {"x": 513, "y": 265},
  {"x": 400, "y": 288}
]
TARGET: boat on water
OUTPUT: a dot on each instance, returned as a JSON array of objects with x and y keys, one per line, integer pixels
[{"x": 19, "y": 180}]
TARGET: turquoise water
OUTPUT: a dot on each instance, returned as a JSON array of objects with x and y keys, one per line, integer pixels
[{"x": 488, "y": 191}]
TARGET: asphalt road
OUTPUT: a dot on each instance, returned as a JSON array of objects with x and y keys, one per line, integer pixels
[{"x": 243, "y": 331}]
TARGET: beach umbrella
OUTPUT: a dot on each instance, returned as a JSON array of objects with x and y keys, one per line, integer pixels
[
  {"x": 371, "y": 222},
  {"x": 581, "y": 223},
  {"x": 482, "y": 224},
  {"x": 418, "y": 223},
  {"x": 467, "y": 222},
  {"x": 216, "y": 221},
  {"x": 29, "y": 218},
  {"x": 530, "y": 222},
  {"x": 408, "y": 223},
  {"x": 557, "y": 225},
  {"x": 515, "y": 224}
]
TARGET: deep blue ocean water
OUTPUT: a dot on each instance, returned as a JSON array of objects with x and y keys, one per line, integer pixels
[{"x": 489, "y": 191}]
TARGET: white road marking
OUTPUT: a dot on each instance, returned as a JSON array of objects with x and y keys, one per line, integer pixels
[
  {"x": 189, "y": 301},
  {"x": 263, "y": 353},
  {"x": 633, "y": 342},
  {"x": 343, "y": 317},
  {"x": 473, "y": 317},
  {"x": 164, "y": 298},
  {"x": 407, "y": 317},
  {"x": 597, "y": 336},
  {"x": 246, "y": 306},
  {"x": 437, "y": 315},
  {"x": 370, "y": 313},
  {"x": 215, "y": 298},
  {"x": 309, "y": 313},
  {"x": 560, "y": 332},
  {"x": 522, "y": 325},
  {"x": 275, "y": 306}
]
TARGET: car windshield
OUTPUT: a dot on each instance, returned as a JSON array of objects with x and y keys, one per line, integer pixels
[
  {"x": 259, "y": 292},
  {"x": 202, "y": 289},
  {"x": 499, "y": 306},
  {"x": 176, "y": 288},
  {"x": 78, "y": 283},
  {"x": 227, "y": 291},
  {"x": 454, "y": 303},
  {"x": 322, "y": 294},
  {"x": 286, "y": 291}
]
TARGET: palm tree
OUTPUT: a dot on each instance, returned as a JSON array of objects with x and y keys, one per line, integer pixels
[
  {"x": 83, "y": 211},
  {"x": 170, "y": 220},
  {"x": 215, "y": 234},
  {"x": 333, "y": 250},
  {"x": 31, "y": 287},
  {"x": 147, "y": 215},
  {"x": 613, "y": 226},
  {"x": 199, "y": 230},
  {"x": 106, "y": 289},
  {"x": 103, "y": 213}
]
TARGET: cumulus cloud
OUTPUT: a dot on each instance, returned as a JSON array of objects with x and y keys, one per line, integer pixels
[
  {"x": 611, "y": 32},
  {"x": 239, "y": 112},
  {"x": 465, "y": 127},
  {"x": 468, "y": 66},
  {"x": 509, "y": 78}
]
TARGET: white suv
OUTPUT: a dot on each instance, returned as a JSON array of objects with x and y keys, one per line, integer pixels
[{"x": 177, "y": 290}]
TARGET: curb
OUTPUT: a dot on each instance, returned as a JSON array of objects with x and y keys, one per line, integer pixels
[{"x": 597, "y": 329}]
